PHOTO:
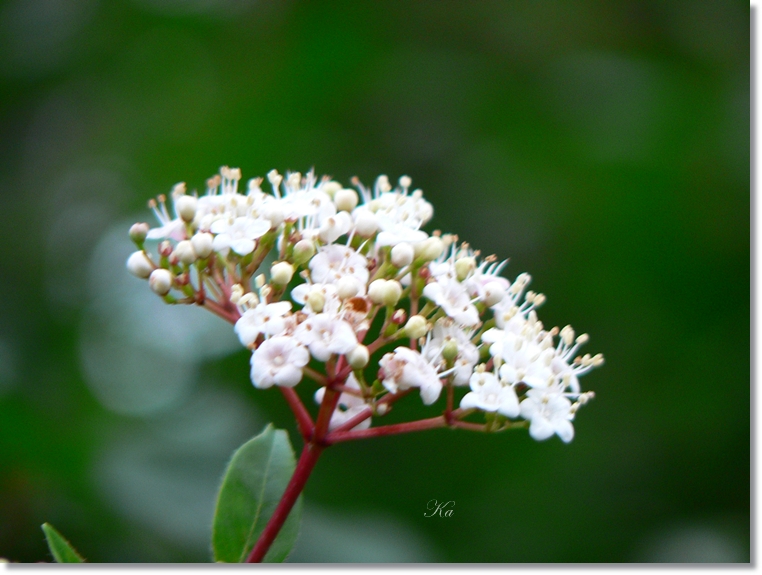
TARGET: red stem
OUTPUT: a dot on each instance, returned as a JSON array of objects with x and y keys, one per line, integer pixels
[
  {"x": 303, "y": 419},
  {"x": 217, "y": 309},
  {"x": 304, "y": 467},
  {"x": 420, "y": 425},
  {"x": 362, "y": 416}
]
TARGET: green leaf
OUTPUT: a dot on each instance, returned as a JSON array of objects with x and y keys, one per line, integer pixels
[
  {"x": 251, "y": 489},
  {"x": 61, "y": 549}
]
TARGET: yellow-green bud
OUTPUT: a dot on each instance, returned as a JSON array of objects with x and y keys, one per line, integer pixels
[
  {"x": 358, "y": 357},
  {"x": 392, "y": 293},
  {"x": 376, "y": 291},
  {"x": 416, "y": 327},
  {"x": 281, "y": 273},
  {"x": 464, "y": 266},
  {"x": 430, "y": 249},
  {"x": 303, "y": 251},
  {"x": 316, "y": 301},
  {"x": 450, "y": 350},
  {"x": 346, "y": 200}
]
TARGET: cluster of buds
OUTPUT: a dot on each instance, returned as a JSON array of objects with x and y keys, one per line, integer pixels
[{"x": 342, "y": 287}]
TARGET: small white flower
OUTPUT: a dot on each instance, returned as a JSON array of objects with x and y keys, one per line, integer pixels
[
  {"x": 446, "y": 331},
  {"x": 334, "y": 227},
  {"x": 405, "y": 368},
  {"x": 170, "y": 228},
  {"x": 332, "y": 262},
  {"x": 238, "y": 234},
  {"x": 453, "y": 298},
  {"x": 265, "y": 319},
  {"x": 488, "y": 394},
  {"x": 548, "y": 412},
  {"x": 278, "y": 361},
  {"x": 325, "y": 335}
]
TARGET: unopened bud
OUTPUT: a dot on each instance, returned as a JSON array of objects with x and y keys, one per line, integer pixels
[
  {"x": 366, "y": 223},
  {"x": 139, "y": 265},
  {"x": 274, "y": 214},
  {"x": 185, "y": 252},
  {"x": 392, "y": 293},
  {"x": 493, "y": 293},
  {"x": 185, "y": 206},
  {"x": 358, "y": 357},
  {"x": 464, "y": 266},
  {"x": 202, "y": 244},
  {"x": 316, "y": 301},
  {"x": 376, "y": 291},
  {"x": 402, "y": 255},
  {"x": 430, "y": 249},
  {"x": 450, "y": 350},
  {"x": 138, "y": 233},
  {"x": 399, "y": 316},
  {"x": 346, "y": 200},
  {"x": 416, "y": 327},
  {"x": 331, "y": 188},
  {"x": 165, "y": 248},
  {"x": 303, "y": 251},
  {"x": 281, "y": 273},
  {"x": 347, "y": 287},
  {"x": 405, "y": 181},
  {"x": 160, "y": 281},
  {"x": 382, "y": 408}
]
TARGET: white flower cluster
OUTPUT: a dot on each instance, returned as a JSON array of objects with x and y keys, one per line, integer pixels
[{"x": 353, "y": 278}]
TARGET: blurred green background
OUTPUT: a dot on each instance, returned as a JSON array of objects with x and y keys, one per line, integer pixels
[{"x": 603, "y": 147}]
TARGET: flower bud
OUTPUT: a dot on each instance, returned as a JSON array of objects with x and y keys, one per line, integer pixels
[
  {"x": 184, "y": 252},
  {"x": 331, "y": 188},
  {"x": 358, "y": 357},
  {"x": 281, "y": 273},
  {"x": 160, "y": 281},
  {"x": 430, "y": 249},
  {"x": 376, "y": 291},
  {"x": 346, "y": 200},
  {"x": 450, "y": 350},
  {"x": 392, "y": 293},
  {"x": 416, "y": 327},
  {"x": 366, "y": 223},
  {"x": 303, "y": 251},
  {"x": 139, "y": 265},
  {"x": 165, "y": 249},
  {"x": 138, "y": 233},
  {"x": 398, "y": 317},
  {"x": 347, "y": 287},
  {"x": 402, "y": 254},
  {"x": 274, "y": 213},
  {"x": 202, "y": 244},
  {"x": 493, "y": 293},
  {"x": 463, "y": 267},
  {"x": 316, "y": 301},
  {"x": 185, "y": 206}
]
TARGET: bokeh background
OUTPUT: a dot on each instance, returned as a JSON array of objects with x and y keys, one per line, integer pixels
[{"x": 603, "y": 147}]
